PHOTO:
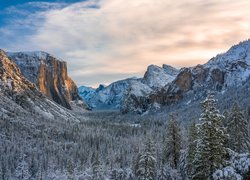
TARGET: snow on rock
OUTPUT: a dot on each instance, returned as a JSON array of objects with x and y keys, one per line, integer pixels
[
  {"x": 235, "y": 63},
  {"x": 113, "y": 96},
  {"x": 49, "y": 74},
  {"x": 20, "y": 98},
  {"x": 157, "y": 77},
  {"x": 219, "y": 74},
  {"x": 109, "y": 97}
]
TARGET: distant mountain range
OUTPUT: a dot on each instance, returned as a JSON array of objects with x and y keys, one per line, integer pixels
[
  {"x": 41, "y": 77},
  {"x": 164, "y": 86},
  {"x": 112, "y": 96}
]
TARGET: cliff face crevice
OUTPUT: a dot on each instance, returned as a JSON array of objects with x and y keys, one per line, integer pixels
[{"x": 49, "y": 74}]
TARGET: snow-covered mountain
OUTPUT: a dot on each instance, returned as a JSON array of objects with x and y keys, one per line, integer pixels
[
  {"x": 50, "y": 75},
  {"x": 20, "y": 99},
  {"x": 221, "y": 73},
  {"x": 109, "y": 97},
  {"x": 112, "y": 96},
  {"x": 157, "y": 77}
]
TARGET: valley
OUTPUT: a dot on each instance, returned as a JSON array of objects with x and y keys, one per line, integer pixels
[{"x": 164, "y": 125}]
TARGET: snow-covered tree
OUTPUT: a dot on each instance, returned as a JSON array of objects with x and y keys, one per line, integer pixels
[
  {"x": 210, "y": 153},
  {"x": 97, "y": 169},
  {"x": 22, "y": 170},
  {"x": 167, "y": 172},
  {"x": 238, "y": 130},
  {"x": 192, "y": 142},
  {"x": 172, "y": 148},
  {"x": 226, "y": 173},
  {"x": 147, "y": 163}
]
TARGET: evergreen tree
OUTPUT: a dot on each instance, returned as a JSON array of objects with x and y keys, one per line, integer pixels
[
  {"x": 238, "y": 130},
  {"x": 147, "y": 163},
  {"x": 22, "y": 170},
  {"x": 172, "y": 148},
  {"x": 192, "y": 142},
  {"x": 97, "y": 169},
  {"x": 70, "y": 169},
  {"x": 210, "y": 153}
]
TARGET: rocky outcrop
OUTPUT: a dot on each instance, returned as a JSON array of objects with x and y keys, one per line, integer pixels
[
  {"x": 157, "y": 77},
  {"x": 20, "y": 98},
  {"x": 139, "y": 89},
  {"x": 49, "y": 74},
  {"x": 12, "y": 82},
  {"x": 230, "y": 69}
]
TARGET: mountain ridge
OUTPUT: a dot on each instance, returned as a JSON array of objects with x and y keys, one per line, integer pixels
[
  {"x": 49, "y": 74},
  {"x": 20, "y": 98},
  {"x": 226, "y": 69}
]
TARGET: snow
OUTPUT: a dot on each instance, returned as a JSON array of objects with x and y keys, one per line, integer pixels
[
  {"x": 235, "y": 62},
  {"x": 139, "y": 89},
  {"x": 109, "y": 97},
  {"x": 227, "y": 173},
  {"x": 45, "y": 114},
  {"x": 157, "y": 77},
  {"x": 112, "y": 96},
  {"x": 239, "y": 165},
  {"x": 35, "y": 54},
  {"x": 188, "y": 102}
]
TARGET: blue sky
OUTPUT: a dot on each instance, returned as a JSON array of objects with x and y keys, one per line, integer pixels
[
  {"x": 107, "y": 40},
  {"x": 7, "y": 3}
]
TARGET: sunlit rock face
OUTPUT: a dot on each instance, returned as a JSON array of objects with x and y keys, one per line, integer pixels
[
  {"x": 10, "y": 76},
  {"x": 231, "y": 69},
  {"x": 21, "y": 99},
  {"x": 49, "y": 74}
]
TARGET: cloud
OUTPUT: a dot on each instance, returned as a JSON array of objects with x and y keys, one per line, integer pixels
[{"x": 104, "y": 40}]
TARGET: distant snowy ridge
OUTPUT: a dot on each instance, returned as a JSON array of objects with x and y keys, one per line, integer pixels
[
  {"x": 112, "y": 96},
  {"x": 227, "y": 70},
  {"x": 161, "y": 86}
]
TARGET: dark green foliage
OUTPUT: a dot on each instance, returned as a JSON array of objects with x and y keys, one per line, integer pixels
[
  {"x": 172, "y": 148},
  {"x": 210, "y": 153},
  {"x": 238, "y": 130}
]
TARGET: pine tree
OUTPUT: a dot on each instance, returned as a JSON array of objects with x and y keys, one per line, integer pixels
[
  {"x": 70, "y": 169},
  {"x": 172, "y": 148},
  {"x": 238, "y": 130},
  {"x": 192, "y": 142},
  {"x": 22, "y": 170},
  {"x": 147, "y": 163},
  {"x": 210, "y": 153},
  {"x": 97, "y": 169}
]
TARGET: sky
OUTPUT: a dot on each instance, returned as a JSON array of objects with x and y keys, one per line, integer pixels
[{"x": 107, "y": 40}]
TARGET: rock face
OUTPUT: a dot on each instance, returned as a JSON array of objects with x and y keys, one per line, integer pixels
[
  {"x": 49, "y": 74},
  {"x": 20, "y": 98},
  {"x": 113, "y": 96},
  {"x": 109, "y": 97},
  {"x": 156, "y": 76},
  {"x": 231, "y": 69}
]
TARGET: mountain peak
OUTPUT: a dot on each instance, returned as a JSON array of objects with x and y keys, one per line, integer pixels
[
  {"x": 49, "y": 74},
  {"x": 158, "y": 77},
  {"x": 238, "y": 52}
]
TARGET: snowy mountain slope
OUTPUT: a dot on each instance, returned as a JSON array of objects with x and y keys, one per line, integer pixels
[
  {"x": 235, "y": 63},
  {"x": 49, "y": 74},
  {"x": 108, "y": 97},
  {"x": 86, "y": 92},
  {"x": 112, "y": 96},
  {"x": 157, "y": 77},
  {"x": 21, "y": 99},
  {"x": 230, "y": 69}
]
